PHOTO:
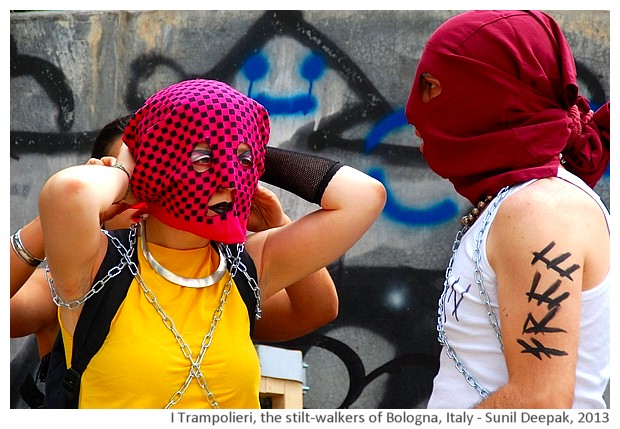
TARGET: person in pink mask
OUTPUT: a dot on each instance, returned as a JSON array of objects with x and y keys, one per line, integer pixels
[
  {"x": 290, "y": 313},
  {"x": 524, "y": 315},
  {"x": 294, "y": 311},
  {"x": 181, "y": 337}
]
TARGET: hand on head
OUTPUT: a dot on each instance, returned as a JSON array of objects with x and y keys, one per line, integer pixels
[
  {"x": 107, "y": 161},
  {"x": 266, "y": 211}
]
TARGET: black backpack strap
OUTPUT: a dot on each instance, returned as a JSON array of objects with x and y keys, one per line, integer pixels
[
  {"x": 29, "y": 391},
  {"x": 91, "y": 330},
  {"x": 244, "y": 287},
  {"x": 54, "y": 394}
]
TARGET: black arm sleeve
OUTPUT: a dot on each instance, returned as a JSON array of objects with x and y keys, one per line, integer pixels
[{"x": 303, "y": 174}]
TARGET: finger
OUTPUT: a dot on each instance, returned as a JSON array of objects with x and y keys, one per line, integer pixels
[{"x": 108, "y": 161}]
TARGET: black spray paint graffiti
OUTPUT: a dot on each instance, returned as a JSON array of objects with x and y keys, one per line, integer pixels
[
  {"x": 407, "y": 323},
  {"x": 53, "y": 81},
  {"x": 275, "y": 24}
]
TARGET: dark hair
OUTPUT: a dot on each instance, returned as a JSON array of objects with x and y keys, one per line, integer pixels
[{"x": 108, "y": 134}]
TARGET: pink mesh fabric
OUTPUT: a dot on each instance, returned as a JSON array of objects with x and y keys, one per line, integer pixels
[{"x": 161, "y": 137}]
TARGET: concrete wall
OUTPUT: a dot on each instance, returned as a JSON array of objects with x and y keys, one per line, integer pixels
[{"x": 335, "y": 83}]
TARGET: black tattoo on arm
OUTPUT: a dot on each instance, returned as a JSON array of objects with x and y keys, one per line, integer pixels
[
  {"x": 546, "y": 296},
  {"x": 539, "y": 349},
  {"x": 532, "y": 326},
  {"x": 553, "y": 264},
  {"x": 552, "y": 298}
]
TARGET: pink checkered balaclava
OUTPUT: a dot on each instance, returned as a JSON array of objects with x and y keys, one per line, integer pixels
[{"x": 161, "y": 137}]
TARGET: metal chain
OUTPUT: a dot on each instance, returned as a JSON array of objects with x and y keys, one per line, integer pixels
[
  {"x": 237, "y": 264},
  {"x": 195, "y": 370},
  {"x": 96, "y": 288},
  {"x": 195, "y": 365},
  {"x": 484, "y": 297}
]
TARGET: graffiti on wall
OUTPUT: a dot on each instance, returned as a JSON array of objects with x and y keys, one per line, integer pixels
[{"x": 391, "y": 306}]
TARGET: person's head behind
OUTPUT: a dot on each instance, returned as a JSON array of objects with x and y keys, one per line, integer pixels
[
  {"x": 108, "y": 143},
  {"x": 108, "y": 140},
  {"x": 191, "y": 140},
  {"x": 505, "y": 110}
]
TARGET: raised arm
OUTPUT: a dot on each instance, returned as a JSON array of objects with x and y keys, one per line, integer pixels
[
  {"x": 301, "y": 307},
  {"x": 350, "y": 204},
  {"x": 71, "y": 206},
  {"x": 32, "y": 310},
  {"x": 298, "y": 309}
]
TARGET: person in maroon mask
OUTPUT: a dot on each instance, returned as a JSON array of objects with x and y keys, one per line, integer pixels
[
  {"x": 524, "y": 316},
  {"x": 181, "y": 337}
]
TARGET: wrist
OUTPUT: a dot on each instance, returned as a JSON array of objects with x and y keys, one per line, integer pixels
[
  {"x": 24, "y": 246},
  {"x": 128, "y": 190}
]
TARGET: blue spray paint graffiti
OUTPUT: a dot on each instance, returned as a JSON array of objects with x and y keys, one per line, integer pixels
[
  {"x": 383, "y": 127},
  {"x": 257, "y": 67},
  {"x": 434, "y": 214}
]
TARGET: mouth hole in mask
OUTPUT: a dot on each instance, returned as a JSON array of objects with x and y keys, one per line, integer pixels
[{"x": 222, "y": 202}]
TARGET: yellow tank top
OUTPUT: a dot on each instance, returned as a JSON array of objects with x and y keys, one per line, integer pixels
[{"x": 141, "y": 365}]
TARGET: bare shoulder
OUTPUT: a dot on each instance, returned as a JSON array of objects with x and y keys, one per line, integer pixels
[
  {"x": 548, "y": 212},
  {"x": 255, "y": 245},
  {"x": 550, "y": 203}
]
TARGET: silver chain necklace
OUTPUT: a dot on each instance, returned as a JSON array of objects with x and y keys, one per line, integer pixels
[
  {"x": 484, "y": 297},
  {"x": 194, "y": 370}
]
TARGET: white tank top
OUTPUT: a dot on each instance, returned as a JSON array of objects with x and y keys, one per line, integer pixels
[{"x": 473, "y": 339}]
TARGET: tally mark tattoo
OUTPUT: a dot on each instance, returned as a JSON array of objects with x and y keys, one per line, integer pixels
[
  {"x": 533, "y": 326},
  {"x": 540, "y": 349},
  {"x": 553, "y": 264},
  {"x": 545, "y": 297},
  {"x": 552, "y": 298}
]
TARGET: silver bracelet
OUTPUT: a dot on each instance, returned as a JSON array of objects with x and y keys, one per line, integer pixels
[
  {"x": 123, "y": 169},
  {"x": 22, "y": 252}
]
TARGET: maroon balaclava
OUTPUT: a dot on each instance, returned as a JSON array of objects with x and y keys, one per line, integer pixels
[
  {"x": 161, "y": 137},
  {"x": 508, "y": 106}
]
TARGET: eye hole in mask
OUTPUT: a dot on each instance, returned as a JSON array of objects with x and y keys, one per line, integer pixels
[
  {"x": 202, "y": 157},
  {"x": 245, "y": 156}
]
